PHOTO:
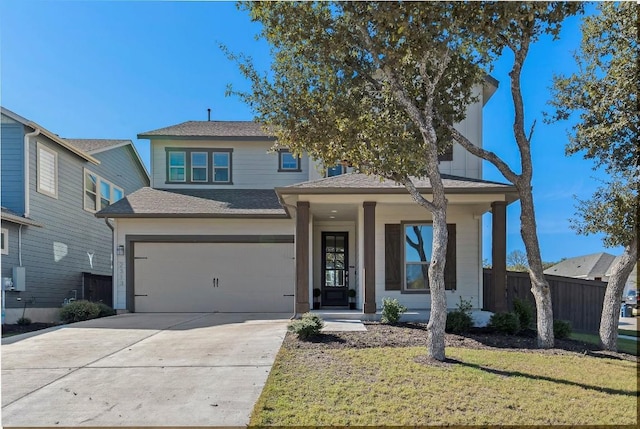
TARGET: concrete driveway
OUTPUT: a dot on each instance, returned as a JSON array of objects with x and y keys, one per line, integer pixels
[{"x": 141, "y": 370}]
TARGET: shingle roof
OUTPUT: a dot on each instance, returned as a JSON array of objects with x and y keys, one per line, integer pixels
[
  {"x": 149, "y": 202},
  {"x": 209, "y": 129},
  {"x": 358, "y": 182},
  {"x": 586, "y": 266},
  {"x": 90, "y": 145}
]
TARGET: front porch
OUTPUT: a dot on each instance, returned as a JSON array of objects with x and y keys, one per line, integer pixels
[{"x": 373, "y": 239}]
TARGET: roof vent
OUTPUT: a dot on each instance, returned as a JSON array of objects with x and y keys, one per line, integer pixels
[{"x": 208, "y": 114}]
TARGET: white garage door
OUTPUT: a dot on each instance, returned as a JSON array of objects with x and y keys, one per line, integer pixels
[{"x": 207, "y": 277}]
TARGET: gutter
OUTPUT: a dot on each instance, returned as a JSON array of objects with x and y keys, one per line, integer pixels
[{"x": 26, "y": 169}]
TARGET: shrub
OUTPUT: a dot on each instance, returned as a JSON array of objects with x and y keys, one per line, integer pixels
[
  {"x": 505, "y": 323},
  {"x": 78, "y": 311},
  {"x": 105, "y": 310},
  {"x": 525, "y": 311},
  {"x": 308, "y": 326},
  {"x": 561, "y": 328},
  {"x": 460, "y": 320},
  {"x": 391, "y": 310},
  {"x": 24, "y": 321}
]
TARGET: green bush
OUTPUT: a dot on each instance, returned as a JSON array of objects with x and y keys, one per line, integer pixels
[
  {"x": 105, "y": 310},
  {"x": 562, "y": 329},
  {"x": 460, "y": 320},
  {"x": 24, "y": 321},
  {"x": 391, "y": 310},
  {"x": 525, "y": 311},
  {"x": 308, "y": 326},
  {"x": 78, "y": 311},
  {"x": 505, "y": 323}
]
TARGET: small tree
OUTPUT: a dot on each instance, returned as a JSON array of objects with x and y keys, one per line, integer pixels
[
  {"x": 517, "y": 261},
  {"x": 604, "y": 93}
]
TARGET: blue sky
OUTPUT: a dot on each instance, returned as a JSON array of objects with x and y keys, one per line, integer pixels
[{"x": 95, "y": 69}]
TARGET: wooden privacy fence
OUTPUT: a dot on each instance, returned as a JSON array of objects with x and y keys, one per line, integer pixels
[
  {"x": 97, "y": 288},
  {"x": 576, "y": 300}
]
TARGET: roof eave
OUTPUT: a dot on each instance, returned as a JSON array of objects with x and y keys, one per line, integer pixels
[
  {"x": 192, "y": 215},
  {"x": 221, "y": 138},
  {"x": 7, "y": 217}
]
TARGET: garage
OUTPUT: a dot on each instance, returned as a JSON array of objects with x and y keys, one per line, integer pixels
[{"x": 213, "y": 277}]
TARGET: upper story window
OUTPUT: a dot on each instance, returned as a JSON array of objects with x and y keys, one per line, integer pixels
[
  {"x": 4, "y": 241},
  {"x": 336, "y": 170},
  {"x": 287, "y": 161},
  {"x": 447, "y": 155},
  {"x": 98, "y": 192},
  {"x": 47, "y": 169},
  {"x": 222, "y": 167},
  {"x": 177, "y": 163},
  {"x": 199, "y": 166}
]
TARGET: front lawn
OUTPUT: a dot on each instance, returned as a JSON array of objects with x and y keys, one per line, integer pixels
[
  {"x": 382, "y": 386},
  {"x": 624, "y": 345}
]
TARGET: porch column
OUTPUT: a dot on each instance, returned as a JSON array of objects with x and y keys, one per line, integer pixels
[
  {"x": 499, "y": 255},
  {"x": 369, "y": 257},
  {"x": 302, "y": 257}
]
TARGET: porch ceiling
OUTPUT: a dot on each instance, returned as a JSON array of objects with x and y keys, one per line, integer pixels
[{"x": 334, "y": 212}]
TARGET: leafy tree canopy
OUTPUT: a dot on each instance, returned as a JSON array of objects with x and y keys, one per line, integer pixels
[
  {"x": 361, "y": 81},
  {"x": 604, "y": 90}
]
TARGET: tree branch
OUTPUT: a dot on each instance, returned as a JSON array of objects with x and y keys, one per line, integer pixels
[
  {"x": 415, "y": 194},
  {"x": 507, "y": 172}
]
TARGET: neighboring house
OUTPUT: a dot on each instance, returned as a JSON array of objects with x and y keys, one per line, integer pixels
[
  {"x": 228, "y": 225},
  {"x": 51, "y": 189},
  {"x": 596, "y": 266}
]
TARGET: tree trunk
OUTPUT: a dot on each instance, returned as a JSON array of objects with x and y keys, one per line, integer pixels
[
  {"x": 438, "y": 209},
  {"x": 539, "y": 285},
  {"x": 438, "y": 316},
  {"x": 613, "y": 296}
]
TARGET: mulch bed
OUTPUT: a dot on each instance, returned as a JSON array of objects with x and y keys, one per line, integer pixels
[
  {"x": 414, "y": 335},
  {"x": 8, "y": 330}
]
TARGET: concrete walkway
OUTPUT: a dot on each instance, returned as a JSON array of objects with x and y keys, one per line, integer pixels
[{"x": 141, "y": 370}]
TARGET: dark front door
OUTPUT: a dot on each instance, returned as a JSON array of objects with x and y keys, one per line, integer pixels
[{"x": 335, "y": 269}]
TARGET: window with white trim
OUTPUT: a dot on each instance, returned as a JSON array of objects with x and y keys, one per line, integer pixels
[
  {"x": 47, "y": 171},
  {"x": 177, "y": 164},
  {"x": 199, "y": 167},
  {"x": 4, "y": 241},
  {"x": 98, "y": 192}
]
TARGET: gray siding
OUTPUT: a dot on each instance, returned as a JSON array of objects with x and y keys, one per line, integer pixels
[
  {"x": 119, "y": 167},
  {"x": 56, "y": 255},
  {"x": 12, "y": 168}
]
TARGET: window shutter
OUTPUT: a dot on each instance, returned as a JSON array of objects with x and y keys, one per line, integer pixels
[
  {"x": 392, "y": 257},
  {"x": 450, "y": 266}
]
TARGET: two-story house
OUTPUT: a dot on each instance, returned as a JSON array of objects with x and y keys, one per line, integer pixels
[
  {"x": 52, "y": 243},
  {"x": 228, "y": 225}
]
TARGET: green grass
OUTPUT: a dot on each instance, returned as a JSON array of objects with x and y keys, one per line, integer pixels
[
  {"x": 385, "y": 386},
  {"x": 624, "y": 345},
  {"x": 629, "y": 332}
]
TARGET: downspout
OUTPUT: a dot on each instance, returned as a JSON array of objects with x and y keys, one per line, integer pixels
[
  {"x": 113, "y": 259},
  {"x": 26, "y": 170}
]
